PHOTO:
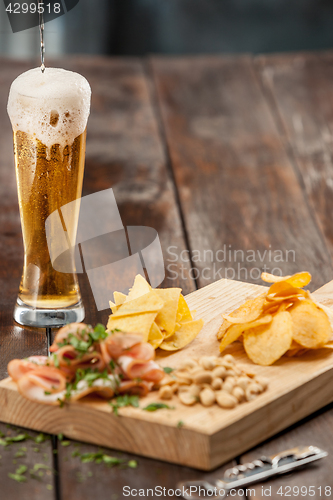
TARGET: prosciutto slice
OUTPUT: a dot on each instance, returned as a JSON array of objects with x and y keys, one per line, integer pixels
[
  {"x": 118, "y": 364},
  {"x": 70, "y": 360},
  {"x": 79, "y": 330},
  {"x": 36, "y": 384},
  {"x": 137, "y": 388},
  {"x": 138, "y": 369},
  {"x": 36, "y": 388},
  {"x": 17, "y": 368},
  {"x": 117, "y": 344}
]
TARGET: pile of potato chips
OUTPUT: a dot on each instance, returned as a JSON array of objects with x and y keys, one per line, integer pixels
[
  {"x": 160, "y": 315},
  {"x": 285, "y": 320}
]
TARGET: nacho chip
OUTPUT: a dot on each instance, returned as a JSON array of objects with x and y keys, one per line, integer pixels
[
  {"x": 235, "y": 331},
  {"x": 139, "y": 288},
  {"x": 119, "y": 298},
  {"x": 187, "y": 332},
  {"x": 150, "y": 302},
  {"x": 139, "y": 323},
  {"x": 183, "y": 312},
  {"x": 155, "y": 337},
  {"x": 166, "y": 317},
  {"x": 266, "y": 344},
  {"x": 311, "y": 326}
]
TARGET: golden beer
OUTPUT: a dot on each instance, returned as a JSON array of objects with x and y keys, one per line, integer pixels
[{"x": 49, "y": 163}]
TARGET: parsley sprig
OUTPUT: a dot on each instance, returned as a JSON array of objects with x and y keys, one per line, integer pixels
[
  {"x": 125, "y": 400},
  {"x": 85, "y": 339}
]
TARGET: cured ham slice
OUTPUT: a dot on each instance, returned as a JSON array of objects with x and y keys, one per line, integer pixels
[
  {"x": 34, "y": 388},
  {"x": 138, "y": 369},
  {"x": 128, "y": 344},
  {"x": 37, "y": 384},
  {"x": 136, "y": 388},
  {"x": 17, "y": 368},
  {"x": 87, "y": 361},
  {"x": 79, "y": 330}
]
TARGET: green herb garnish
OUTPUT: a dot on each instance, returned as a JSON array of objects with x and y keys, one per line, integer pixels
[
  {"x": 180, "y": 424},
  {"x": 157, "y": 406},
  {"x": 56, "y": 360},
  {"x": 167, "y": 369},
  {"x": 125, "y": 400}
]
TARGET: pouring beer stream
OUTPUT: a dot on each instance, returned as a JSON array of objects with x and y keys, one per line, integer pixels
[{"x": 41, "y": 30}]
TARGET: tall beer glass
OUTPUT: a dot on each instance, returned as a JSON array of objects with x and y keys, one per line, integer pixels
[{"x": 49, "y": 113}]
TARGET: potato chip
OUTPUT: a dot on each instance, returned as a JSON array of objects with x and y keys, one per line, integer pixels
[
  {"x": 288, "y": 293},
  {"x": 166, "y": 317},
  {"x": 241, "y": 312},
  {"x": 311, "y": 326},
  {"x": 255, "y": 310},
  {"x": 271, "y": 278},
  {"x": 298, "y": 280},
  {"x": 187, "y": 332},
  {"x": 235, "y": 331},
  {"x": 150, "y": 302},
  {"x": 139, "y": 323},
  {"x": 155, "y": 337},
  {"x": 266, "y": 344}
]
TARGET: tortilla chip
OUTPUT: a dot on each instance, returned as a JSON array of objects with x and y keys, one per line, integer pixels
[
  {"x": 119, "y": 298},
  {"x": 187, "y": 332},
  {"x": 155, "y": 337},
  {"x": 139, "y": 323},
  {"x": 166, "y": 317},
  {"x": 150, "y": 302},
  {"x": 183, "y": 311},
  {"x": 139, "y": 288}
]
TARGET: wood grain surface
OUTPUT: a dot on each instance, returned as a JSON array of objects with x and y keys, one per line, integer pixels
[
  {"x": 209, "y": 436},
  {"x": 245, "y": 147},
  {"x": 237, "y": 185}
]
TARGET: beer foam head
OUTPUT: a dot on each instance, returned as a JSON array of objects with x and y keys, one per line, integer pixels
[{"x": 52, "y": 106}]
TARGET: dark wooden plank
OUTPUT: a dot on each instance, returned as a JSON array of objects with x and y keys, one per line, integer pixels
[
  {"x": 15, "y": 342},
  {"x": 125, "y": 152},
  {"x": 299, "y": 89},
  {"x": 76, "y": 482},
  {"x": 237, "y": 185},
  {"x": 312, "y": 431},
  {"x": 31, "y": 455}
]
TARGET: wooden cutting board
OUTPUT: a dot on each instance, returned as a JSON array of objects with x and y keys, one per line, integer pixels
[{"x": 209, "y": 436}]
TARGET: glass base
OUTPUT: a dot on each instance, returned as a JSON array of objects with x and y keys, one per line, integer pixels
[{"x": 42, "y": 318}]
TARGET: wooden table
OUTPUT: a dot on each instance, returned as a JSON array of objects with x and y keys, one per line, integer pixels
[{"x": 215, "y": 153}]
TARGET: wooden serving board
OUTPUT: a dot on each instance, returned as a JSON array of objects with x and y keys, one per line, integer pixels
[{"x": 209, "y": 436}]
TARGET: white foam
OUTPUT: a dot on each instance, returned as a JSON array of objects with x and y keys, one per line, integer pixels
[{"x": 53, "y": 106}]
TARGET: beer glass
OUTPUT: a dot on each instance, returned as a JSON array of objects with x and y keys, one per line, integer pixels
[{"x": 49, "y": 113}]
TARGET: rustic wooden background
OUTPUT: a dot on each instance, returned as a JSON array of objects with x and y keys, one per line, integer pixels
[{"x": 209, "y": 151}]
